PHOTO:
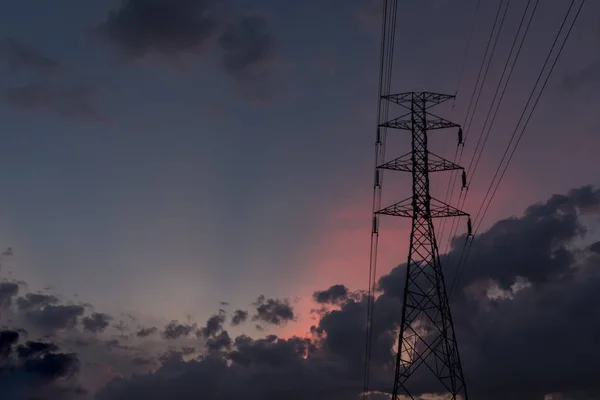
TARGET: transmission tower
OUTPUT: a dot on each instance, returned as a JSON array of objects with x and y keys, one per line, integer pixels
[{"x": 428, "y": 359}]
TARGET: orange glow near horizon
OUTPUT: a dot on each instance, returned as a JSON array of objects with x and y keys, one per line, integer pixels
[{"x": 342, "y": 254}]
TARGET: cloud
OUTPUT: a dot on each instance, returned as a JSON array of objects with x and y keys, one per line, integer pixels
[
  {"x": 21, "y": 56},
  {"x": 31, "y": 349},
  {"x": 525, "y": 301},
  {"x": 273, "y": 311},
  {"x": 8, "y": 290},
  {"x": 239, "y": 317},
  {"x": 47, "y": 90},
  {"x": 145, "y": 332},
  {"x": 213, "y": 326},
  {"x": 7, "y": 340},
  {"x": 334, "y": 294},
  {"x": 50, "y": 318},
  {"x": 71, "y": 101},
  {"x": 35, "y": 300},
  {"x": 35, "y": 369},
  {"x": 96, "y": 323},
  {"x": 177, "y": 31},
  {"x": 219, "y": 342},
  {"x": 248, "y": 52},
  {"x": 161, "y": 27},
  {"x": 143, "y": 361},
  {"x": 581, "y": 78},
  {"x": 508, "y": 342},
  {"x": 175, "y": 330}
]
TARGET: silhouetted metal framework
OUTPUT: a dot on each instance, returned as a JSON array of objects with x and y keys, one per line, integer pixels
[{"x": 428, "y": 352}]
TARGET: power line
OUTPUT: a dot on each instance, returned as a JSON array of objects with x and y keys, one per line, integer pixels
[
  {"x": 388, "y": 33},
  {"x": 520, "y": 136},
  {"x": 461, "y": 71},
  {"x": 499, "y": 88},
  {"x": 459, "y": 148}
]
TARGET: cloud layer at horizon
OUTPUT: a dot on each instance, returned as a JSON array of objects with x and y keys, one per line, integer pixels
[{"x": 513, "y": 307}]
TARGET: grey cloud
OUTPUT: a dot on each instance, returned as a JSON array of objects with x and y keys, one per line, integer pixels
[
  {"x": 8, "y": 290},
  {"x": 55, "y": 317},
  {"x": 35, "y": 368},
  {"x": 7, "y": 340},
  {"x": 96, "y": 323},
  {"x": 334, "y": 294},
  {"x": 175, "y": 330},
  {"x": 174, "y": 31},
  {"x": 21, "y": 56},
  {"x": 145, "y": 332},
  {"x": 239, "y": 317},
  {"x": 35, "y": 300},
  {"x": 121, "y": 326},
  {"x": 186, "y": 350},
  {"x": 595, "y": 247},
  {"x": 213, "y": 326},
  {"x": 220, "y": 342},
  {"x": 70, "y": 101},
  {"x": 273, "y": 311},
  {"x": 63, "y": 97},
  {"x": 161, "y": 27},
  {"x": 142, "y": 361},
  {"x": 31, "y": 349},
  {"x": 261, "y": 369},
  {"x": 248, "y": 52},
  {"x": 577, "y": 80},
  {"x": 113, "y": 344},
  {"x": 508, "y": 344}
]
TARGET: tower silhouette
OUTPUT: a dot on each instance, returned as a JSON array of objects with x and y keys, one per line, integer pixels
[{"x": 428, "y": 359}]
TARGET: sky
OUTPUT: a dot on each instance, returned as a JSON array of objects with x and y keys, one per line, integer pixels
[{"x": 165, "y": 160}]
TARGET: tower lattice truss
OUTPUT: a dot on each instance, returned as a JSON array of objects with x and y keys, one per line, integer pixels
[{"x": 428, "y": 359}]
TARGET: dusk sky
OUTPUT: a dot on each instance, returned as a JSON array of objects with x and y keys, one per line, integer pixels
[{"x": 162, "y": 158}]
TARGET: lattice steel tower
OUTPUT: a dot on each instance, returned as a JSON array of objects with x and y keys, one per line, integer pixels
[{"x": 428, "y": 359}]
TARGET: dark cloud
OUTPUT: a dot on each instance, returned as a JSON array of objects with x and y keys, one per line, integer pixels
[
  {"x": 595, "y": 247},
  {"x": 333, "y": 295},
  {"x": 35, "y": 300},
  {"x": 175, "y": 330},
  {"x": 113, "y": 344},
  {"x": 8, "y": 290},
  {"x": 248, "y": 52},
  {"x": 187, "y": 350},
  {"x": 60, "y": 95},
  {"x": 220, "y": 342},
  {"x": 21, "y": 56},
  {"x": 36, "y": 370},
  {"x": 7, "y": 340},
  {"x": 213, "y": 326},
  {"x": 174, "y": 31},
  {"x": 579, "y": 79},
  {"x": 96, "y": 323},
  {"x": 143, "y": 361},
  {"x": 273, "y": 311},
  {"x": 239, "y": 317},
  {"x": 31, "y": 349},
  {"x": 55, "y": 317},
  {"x": 145, "y": 332},
  {"x": 261, "y": 369},
  {"x": 162, "y": 27},
  {"x": 121, "y": 326},
  {"x": 71, "y": 101},
  {"x": 526, "y": 301}
]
